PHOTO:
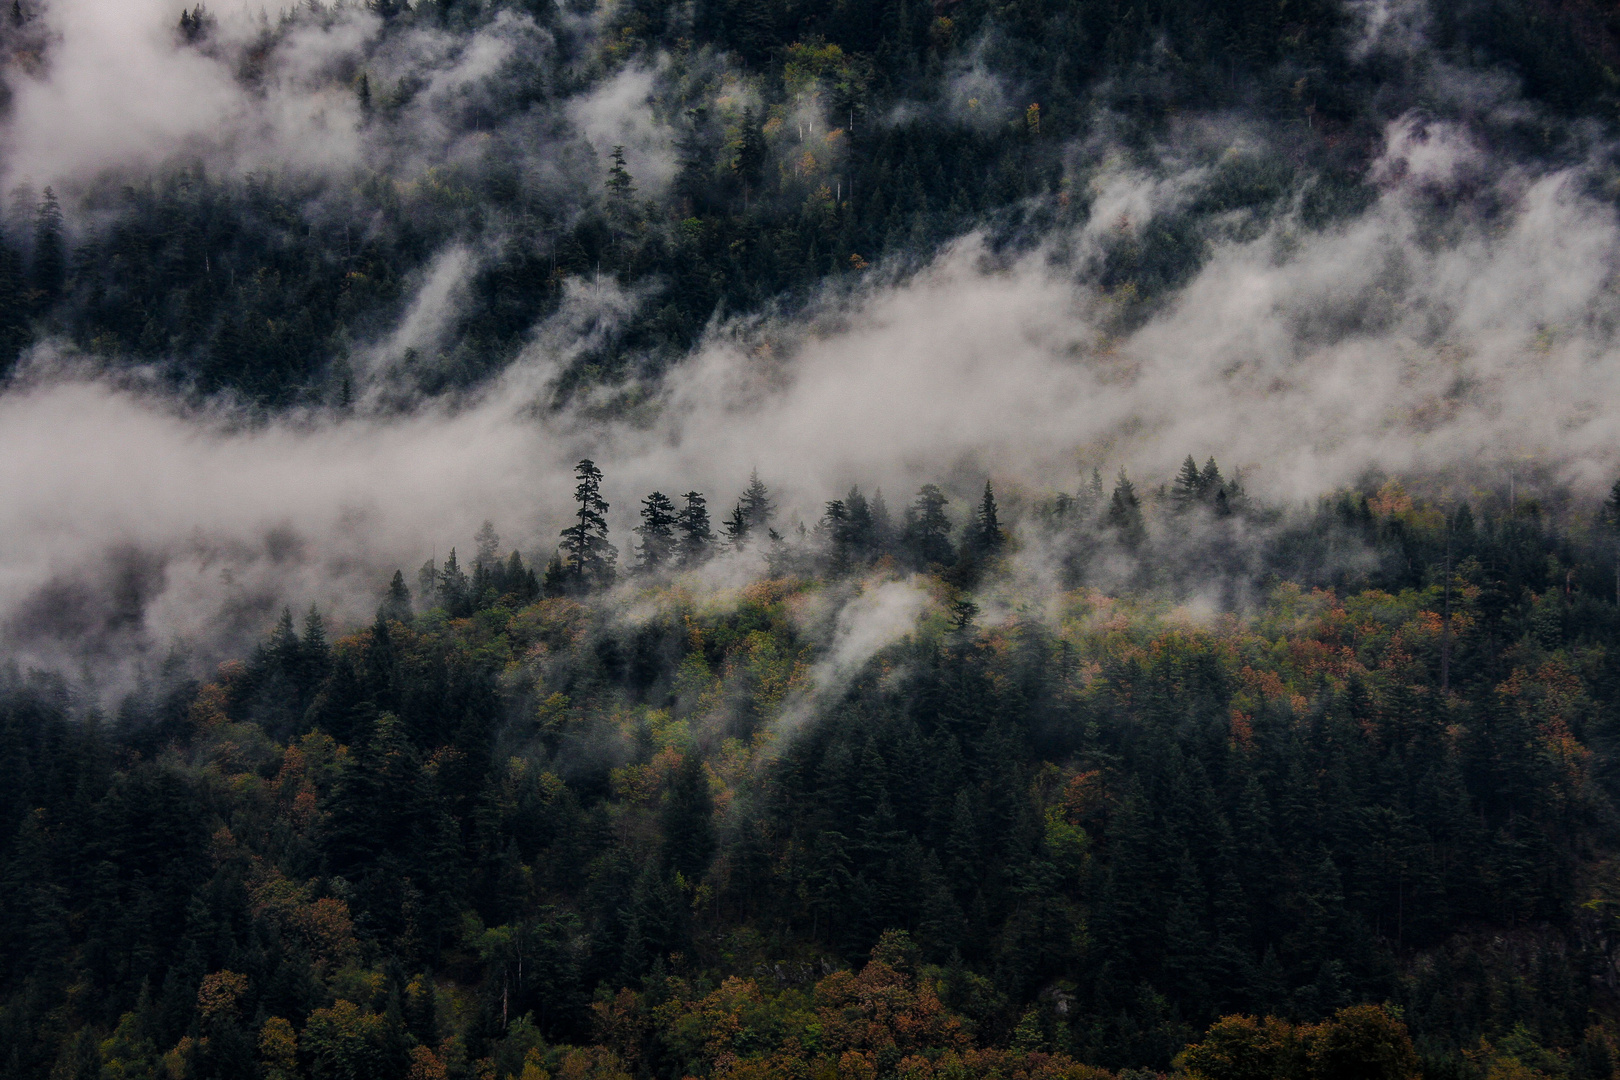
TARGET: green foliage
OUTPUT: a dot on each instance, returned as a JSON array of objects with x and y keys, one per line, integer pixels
[
  {"x": 544, "y": 837},
  {"x": 812, "y": 139}
]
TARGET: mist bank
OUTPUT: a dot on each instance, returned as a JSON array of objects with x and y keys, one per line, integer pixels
[{"x": 1458, "y": 334}]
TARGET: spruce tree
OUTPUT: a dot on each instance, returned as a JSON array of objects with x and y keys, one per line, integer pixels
[
  {"x": 696, "y": 538},
  {"x": 1125, "y": 513},
  {"x": 736, "y": 528},
  {"x": 590, "y": 557},
  {"x": 756, "y": 503},
  {"x": 1186, "y": 489},
  {"x": 1210, "y": 483},
  {"x": 657, "y": 532},
  {"x": 987, "y": 534},
  {"x": 926, "y": 535},
  {"x": 396, "y": 603}
]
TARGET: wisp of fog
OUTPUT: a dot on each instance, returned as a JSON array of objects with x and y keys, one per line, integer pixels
[{"x": 1422, "y": 335}]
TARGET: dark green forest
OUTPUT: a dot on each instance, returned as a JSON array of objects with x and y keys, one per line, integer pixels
[
  {"x": 1151, "y": 777},
  {"x": 527, "y": 824},
  {"x": 811, "y": 139}
]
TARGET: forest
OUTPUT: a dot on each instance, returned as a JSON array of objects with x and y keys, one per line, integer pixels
[
  {"x": 609, "y": 820},
  {"x": 806, "y": 141},
  {"x": 1109, "y": 775}
]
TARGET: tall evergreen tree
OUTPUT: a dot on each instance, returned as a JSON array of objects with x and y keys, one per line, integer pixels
[
  {"x": 396, "y": 603},
  {"x": 926, "y": 534},
  {"x": 987, "y": 534},
  {"x": 696, "y": 538},
  {"x": 1125, "y": 513},
  {"x": 756, "y": 503},
  {"x": 590, "y": 557},
  {"x": 1187, "y": 488},
  {"x": 657, "y": 532}
]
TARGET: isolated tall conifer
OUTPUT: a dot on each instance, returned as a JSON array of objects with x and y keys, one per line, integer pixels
[
  {"x": 590, "y": 558},
  {"x": 987, "y": 522}
]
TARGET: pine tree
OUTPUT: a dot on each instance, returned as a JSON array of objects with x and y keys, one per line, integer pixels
[
  {"x": 621, "y": 191},
  {"x": 315, "y": 655},
  {"x": 756, "y": 503},
  {"x": 1187, "y": 489},
  {"x": 987, "y": 534},
  {"x": 926, "y": 534},
  {"x": 1210, "y": 483},
  {"x": 455, "y": 591},
  {"x": 657, "y": 532},
  {"x": 1091, "y": 493},
  {"x": 834, "y": 531},
  {"x": 736, "y": 528},
  {"x": 859, "y": 539},
  {"x": 1125, "y": 513},
  {"x": 396, "y": 604},
  {"x": 696, "y": 538},
  {"x": 427, "y": 582},
  {"x": 590, "y": 557},
  {"x": 488, "y": 543}
]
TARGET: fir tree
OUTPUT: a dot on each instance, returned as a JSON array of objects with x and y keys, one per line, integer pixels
[
  {"x": 926, "y": 534},
  {"x": 696, "y": 538},
  {"x": 1187, "y": 488},
  {"x": 488, "y": 543},
  {"x": 589, "y": 555},
  {"x": 736, "y": 528},
  {"x": 987, "y": 534},
  {"x": 756, "y": 503},
  {"x": 1125, "y": 513},
  {"x": 396, "y": 604},
  {"x": 657, "y": 532}
]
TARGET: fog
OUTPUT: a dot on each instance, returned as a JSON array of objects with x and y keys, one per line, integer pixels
[{"x": 1464, "y": 323}]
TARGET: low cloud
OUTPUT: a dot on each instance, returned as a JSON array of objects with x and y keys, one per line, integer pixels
[{"x": 1470, "y": 328}]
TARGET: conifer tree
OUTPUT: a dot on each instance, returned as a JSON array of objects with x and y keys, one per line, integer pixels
[
  {"x": 427, "y": 583},
  {"x": 1125, "y": 513},
  {"x": 314, "y": 652},
  {"x": 756, "y": 503},
  {"x": 590, "y": 557},
  {"x": 396, "y": 604},
  {"x": 987, "y": 534},
  {"x": 455, "y": 591},
  {"x": 48, "y": 272},
  {"x": 657, "y": 532},
  {"x": 621, "y": 191},
  {"x": 1091, "y": 492},
  {"x": 1186, "y": 489},
  {"x": 488, "y": 543},
  {"x": 1210, "y": 483},
  {"x": 696, "y": 538},
  {"x": 926, "y": 534},
  {"x": 749, "y": 163},
  {"x": 736, "y": 528}
]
